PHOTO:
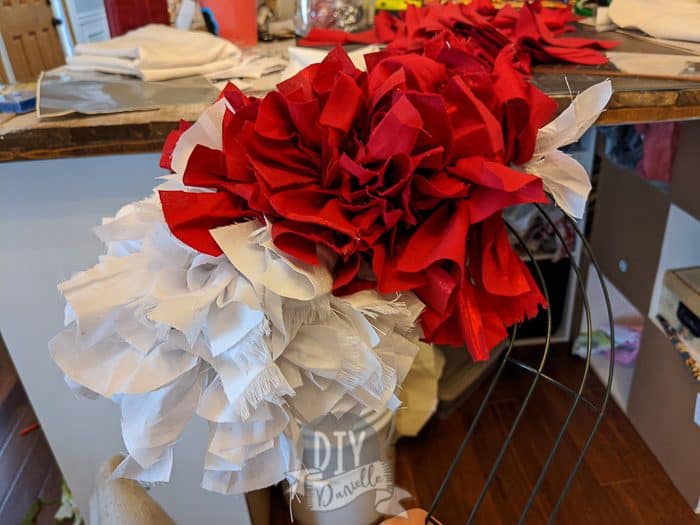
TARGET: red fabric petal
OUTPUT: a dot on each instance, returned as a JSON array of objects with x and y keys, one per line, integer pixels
[
  {"x": 301, "y": 240},
  {"x": 335, "y": 63},
  {"x": 346, "y": 272},
  {"x": 483, "y": 203},
  {"x": 475, "y": 130},
  {"x": 441, "y": 185},
  {"x": 190, "y": 216},
  {"x": 343, "y": 105},
  {"x": 397, "y": 132},
  {"x": 491, "y": 174},
  {"x": 206, "y": 168},
  {"x": 442, "y": 237},
  {"x": 273, "y": 120},
  {"x": 313, "y": 207},
  {"x": 389, "y": 278},
  {"x": 422, "y": 73},
  {"x": 501, "y": 269},
  {"x": 170, "y": 143},
  {"x": 438, "y": 294}
]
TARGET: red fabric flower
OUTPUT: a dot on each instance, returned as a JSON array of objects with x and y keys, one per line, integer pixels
[{"x": 401, "y": 173}]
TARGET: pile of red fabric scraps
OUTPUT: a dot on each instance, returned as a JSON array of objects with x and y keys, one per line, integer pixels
[{"x": 535, "y": 31}]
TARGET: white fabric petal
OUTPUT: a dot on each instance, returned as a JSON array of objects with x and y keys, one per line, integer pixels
[
  {"x": 95, "y": 295},
  {"x": 248, "y": 382},
  {"x": 246, "y": 246},
  {"x": 232, "y": 324},
  {"x": 310, "y": 402},
  {"x": 153, "y": 421},
  {"x": 158, "y": 472},
  {"x": 184, "y": 305},
  {"x": 131, "y": 223},
  {"x": 565, "y": 179},
  {"x": 206, "y": 131},
  {"x": 228, "y": 439},
  {"x": 574, "y": 121},
  {"x": 562, "y": 176},
  {"x": 113, "y": 367},
  {"x": 141, "y": 333},
  {"x": 265, "y": 469},
  {"x": 215, "y": 406}
]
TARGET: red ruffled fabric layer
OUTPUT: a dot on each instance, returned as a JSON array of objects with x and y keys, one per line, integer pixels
[{"x": 398, "y": 175}]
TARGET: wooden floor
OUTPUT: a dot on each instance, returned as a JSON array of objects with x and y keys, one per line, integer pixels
[
  {"x": 619, "y": 483},
  {"x": 28, "y": 470}
]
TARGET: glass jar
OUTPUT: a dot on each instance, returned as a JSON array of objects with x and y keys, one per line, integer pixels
[{"x": 346, "y": 15}]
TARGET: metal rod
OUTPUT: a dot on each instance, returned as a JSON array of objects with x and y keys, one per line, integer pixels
[
  {"x": 606, "y": 397},
  {"x": 462, "y": 447},
  {"x": 501, "y": 454},
  {"x": 539, "y": 373},
  {"x": 553, "y": 381},
  {"x": 567, "y": 421}
]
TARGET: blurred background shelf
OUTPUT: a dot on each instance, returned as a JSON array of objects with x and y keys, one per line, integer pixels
[
  {"x": 624, "y": 314},
  {"x": 658, "y": 231}
]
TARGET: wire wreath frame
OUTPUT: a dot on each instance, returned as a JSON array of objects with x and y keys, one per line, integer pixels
[{"x": 537, "y": 375}]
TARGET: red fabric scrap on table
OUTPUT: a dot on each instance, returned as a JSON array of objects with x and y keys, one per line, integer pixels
[
  {"x": 401, "y": 173},
  {"x": 536, "y": 32}
]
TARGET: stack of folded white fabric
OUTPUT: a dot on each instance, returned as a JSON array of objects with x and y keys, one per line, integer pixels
[
  {"x": 672, "y": 19},
  {"x": 157, "y": 52}
]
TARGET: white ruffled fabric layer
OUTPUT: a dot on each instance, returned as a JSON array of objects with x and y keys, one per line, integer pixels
[{"x": 251, "y": 341}]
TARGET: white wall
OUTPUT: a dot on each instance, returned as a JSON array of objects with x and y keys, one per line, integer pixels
[{"x": 47, "y": 209}]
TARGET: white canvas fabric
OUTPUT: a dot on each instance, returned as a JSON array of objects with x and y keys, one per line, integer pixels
[{"x": 157, "y": 52}]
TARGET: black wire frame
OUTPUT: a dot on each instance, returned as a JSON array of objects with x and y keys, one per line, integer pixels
[{"x": 538, "y": 373}]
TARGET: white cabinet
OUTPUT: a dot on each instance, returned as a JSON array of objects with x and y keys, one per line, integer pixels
[{"x": 88, "y": 20}]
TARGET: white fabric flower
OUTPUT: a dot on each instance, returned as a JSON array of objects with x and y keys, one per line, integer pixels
[{"x": 252, "y": 341}]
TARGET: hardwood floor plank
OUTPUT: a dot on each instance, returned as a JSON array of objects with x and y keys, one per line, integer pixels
[
  {"x": 30, "y": 478},
  {"x": 12, "y": 395},
  {"x": 13, "y": 453},
  {"x": 50, "y": 495},
  {"x": 27, "y": 467}
]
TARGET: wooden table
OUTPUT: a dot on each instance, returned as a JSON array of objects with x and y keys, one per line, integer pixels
[
  {"x": 25, "y": 137},
  {"x": 634, "y": 99}
]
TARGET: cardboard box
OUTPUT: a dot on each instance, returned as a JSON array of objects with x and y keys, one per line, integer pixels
[
  {"x": 680, "y": 306},
  {"x": 662, "y": 407}
]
